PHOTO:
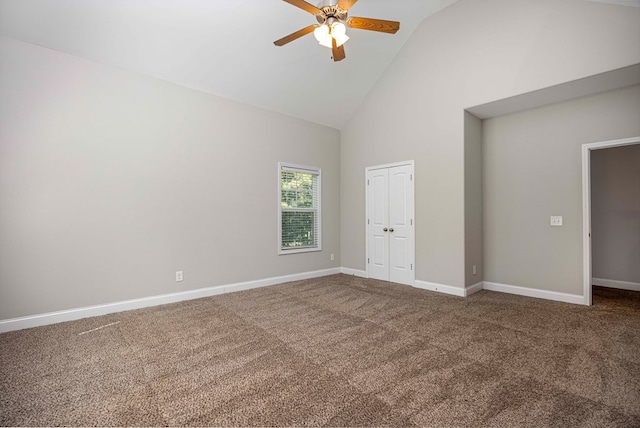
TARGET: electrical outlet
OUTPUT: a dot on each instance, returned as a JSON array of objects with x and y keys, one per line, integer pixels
[
  {"x": 475, "y": 270},
  {"x": 179, "y": 276},
  {"x": 333, "y": 257}
]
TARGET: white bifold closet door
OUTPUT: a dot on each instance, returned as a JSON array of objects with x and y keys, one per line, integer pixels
[{"x": 390, "y": 236}]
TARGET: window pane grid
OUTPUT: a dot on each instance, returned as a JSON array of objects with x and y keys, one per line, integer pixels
[
  {"x": 299, "y": 208},
  {"x": 298, "y": 229}
]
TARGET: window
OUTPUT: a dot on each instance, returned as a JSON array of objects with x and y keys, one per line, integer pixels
[{"x": 299, "y": 209}]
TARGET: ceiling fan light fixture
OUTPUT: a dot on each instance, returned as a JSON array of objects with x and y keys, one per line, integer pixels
[
  {"x": 339, "y": 33},
  {"x": 333, "y": 19},
  {"x": 322, "y": 35}
]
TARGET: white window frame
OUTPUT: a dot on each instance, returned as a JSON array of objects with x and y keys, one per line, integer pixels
[{"x": 303, "y": 169}]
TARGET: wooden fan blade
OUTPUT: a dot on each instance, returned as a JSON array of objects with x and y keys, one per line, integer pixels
[
  {"x": 304, "y": 6},
  {"x": 291, "y": 37},
  {"x": 346, "y": 4},
  {"x": 338, "y": 51},
  {"x": 371, "y": 24}
]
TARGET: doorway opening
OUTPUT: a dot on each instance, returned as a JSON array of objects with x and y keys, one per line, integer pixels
[{"x": 586, "y": 208}]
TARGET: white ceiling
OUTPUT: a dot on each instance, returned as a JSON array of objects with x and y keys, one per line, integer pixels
[{"x": 225, "y": 47}]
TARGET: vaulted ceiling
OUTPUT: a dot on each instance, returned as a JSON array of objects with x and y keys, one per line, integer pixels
[{"x": 225, "y": 47}]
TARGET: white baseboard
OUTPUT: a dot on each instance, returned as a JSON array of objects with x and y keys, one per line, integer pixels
[
  {"x": 355, "y": 272},
  {"x": 614, "y": 283},
  {"x": 440, "y": 288},
  {"x": 127, "y": 305},
  {"x": 449, "y": 289},
  {"x": 533, "y": 292},
  {"x": 472, "y": 289}
]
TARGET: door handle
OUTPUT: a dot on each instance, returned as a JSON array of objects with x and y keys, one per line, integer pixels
[
  {"x": 385, "y": 229},
  {"x": 391, "y": 229}
]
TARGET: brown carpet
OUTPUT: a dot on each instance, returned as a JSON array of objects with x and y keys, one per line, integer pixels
[{"x": 333, "y": 351}]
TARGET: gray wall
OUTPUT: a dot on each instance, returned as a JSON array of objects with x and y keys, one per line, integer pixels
[
  {"x": 112, "y": 181},
  {"x": 472, "y": 199},
  {"x": 471, "y": 53},
  {"x": 615, "y": 213},
  {"x": 532, "y": 169}
]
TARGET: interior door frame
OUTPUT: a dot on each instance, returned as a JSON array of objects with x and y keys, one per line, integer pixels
[
  {"x": 586, "y": 207},
  {"x": 366, "y": 211}
]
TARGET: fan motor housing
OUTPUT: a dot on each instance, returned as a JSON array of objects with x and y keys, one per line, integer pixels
[{"x": 330, "y": 9}]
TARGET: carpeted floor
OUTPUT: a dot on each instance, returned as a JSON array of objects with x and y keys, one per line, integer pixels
[{"x": 333, "y": 351}]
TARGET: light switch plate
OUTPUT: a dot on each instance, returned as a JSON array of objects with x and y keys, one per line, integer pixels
[{"x": 556, "y": 220}]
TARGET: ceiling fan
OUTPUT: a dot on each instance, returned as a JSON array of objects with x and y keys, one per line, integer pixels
[{"x": 333, "y": 20}]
